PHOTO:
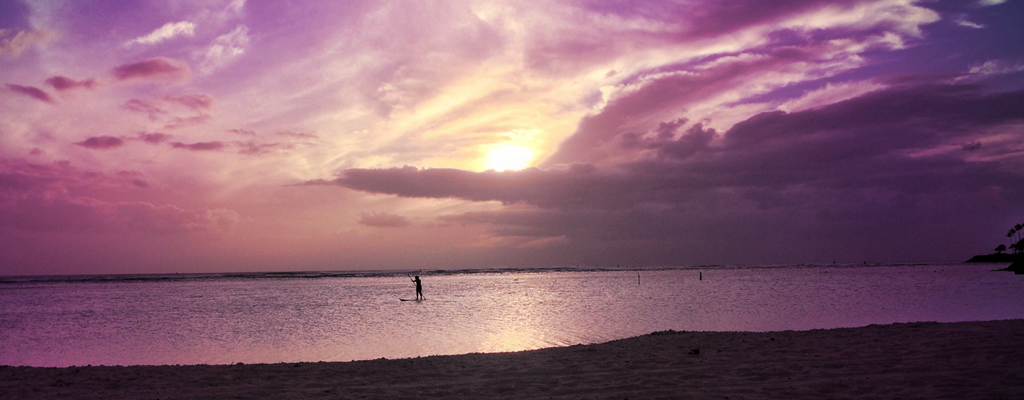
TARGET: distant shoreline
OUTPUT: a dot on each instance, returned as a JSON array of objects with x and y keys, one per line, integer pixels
[
  {"x": 903, "y": 360},
  {"x": 996, "y": 258},
  {"x": 329, "y": 274}
]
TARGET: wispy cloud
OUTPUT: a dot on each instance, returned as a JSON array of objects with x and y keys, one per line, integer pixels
[
  {"x": 195, "y": 102},
  {"x": 14, "y": 41},
  {"x": 167, "y": 31},
  {"x": 144, "y": 106},
  {"x": 224, "y": 50},
  {"x": 383, "y": 220},
  {"x": 962, "y": 20},
  {"x": 48, "y": 198}
]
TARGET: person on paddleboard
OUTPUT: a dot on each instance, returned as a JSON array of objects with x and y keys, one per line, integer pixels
[{"x": 419, "y": 288}]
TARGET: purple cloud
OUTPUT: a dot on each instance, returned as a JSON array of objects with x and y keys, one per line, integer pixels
[
  {"x": 101, "y": 142},
  {"x": 168, "y": 219},
  {"x": 184, "y": 122},
  {"x": 252, "y": 147},
  {"x": 243, "y": 132},
  {"x": 199, "y": 146},
  {"x": 144, "y": 106},
  {"x": 153, "y": 138},
  {"x": 858, "y": 143},
  {"x": 665, "y": 92},
  {"x": 31, "y": 91},
  {"x": 869, "y": 168},
  {"x": 153, "y": 69},
  {"x": 197, "y": 102},
  {"x": 62, "y": 83},
  {"x": 298, "y": 135},
  {"x": 52, "y": 198},
  {"x": 578, "y": 184},
  {"x": 383, "y": 220}
]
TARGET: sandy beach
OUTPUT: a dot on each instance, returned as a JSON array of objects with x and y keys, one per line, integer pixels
[{"x": 976, "y": 360}]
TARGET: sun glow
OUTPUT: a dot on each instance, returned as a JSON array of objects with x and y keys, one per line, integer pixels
[{"x": 503, "y": 157}]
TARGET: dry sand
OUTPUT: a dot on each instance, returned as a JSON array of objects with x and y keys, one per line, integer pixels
[{"x": 964, "y": 360}]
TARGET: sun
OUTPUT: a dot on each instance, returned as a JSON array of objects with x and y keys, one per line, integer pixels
[{"x": 503, "y": 157}]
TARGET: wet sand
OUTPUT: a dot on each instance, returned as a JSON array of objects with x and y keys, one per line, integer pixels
[{"x": 975, "y": 360}]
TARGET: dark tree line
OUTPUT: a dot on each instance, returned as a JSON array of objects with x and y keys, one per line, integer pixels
[{"x": 1016, "y": 236}]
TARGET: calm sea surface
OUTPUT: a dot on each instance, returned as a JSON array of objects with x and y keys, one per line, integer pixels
[{"x": 289, "y": 317}]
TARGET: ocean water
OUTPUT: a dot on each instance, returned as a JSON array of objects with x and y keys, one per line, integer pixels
[{"x": 291, "y": 317}]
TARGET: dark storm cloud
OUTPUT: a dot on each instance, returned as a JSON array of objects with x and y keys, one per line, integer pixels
[
  {"x": 882, "y": 165},
  {"x": 577, "y": 185},
  {"x": 866, "y": 142}
]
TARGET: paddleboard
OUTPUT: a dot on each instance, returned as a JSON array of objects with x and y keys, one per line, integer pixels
[{"x": 410, "y": 300}]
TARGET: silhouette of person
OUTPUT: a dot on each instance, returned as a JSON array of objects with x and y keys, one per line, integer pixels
[{"x": 419, "y": 288}]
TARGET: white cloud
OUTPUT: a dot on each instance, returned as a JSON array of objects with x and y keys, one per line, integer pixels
[
  {"x": 963, "y": 21},
  {"x": 989, "y": 68},
  {"x": 168, "y": 31},
  {"x": 995, "y": 67},
  {"x": 830, "y": 94},
  {"x": 985, "y": 3},
  {"x": 224, "y": 49}
]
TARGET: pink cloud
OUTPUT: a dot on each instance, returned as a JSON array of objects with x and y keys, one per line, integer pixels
[
  {"x": 101, "y": 142},
  {"x": 153, "y": 69},
  {"x": 299, "y": 135},
  {"x": 194, "y": 102},
  {"x": 383, "y": 220},
  {"x": 50, "y": 198},
  {"x": 168, "y": 219},
  {"x": 144, "y": 106},
  {"x": 153, "y": 138},
  {"x": 256, "y": 148},
  {"x": 31, "y": 91},
  {"x": 184, "y": 122},
  {"x": 243, "y": 132},
  {"x": 62, "y": 83},
  {"x": 199, "y": 146}
]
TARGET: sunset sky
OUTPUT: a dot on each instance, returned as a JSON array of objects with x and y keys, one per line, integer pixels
[{"x": 234, "y": 135}]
